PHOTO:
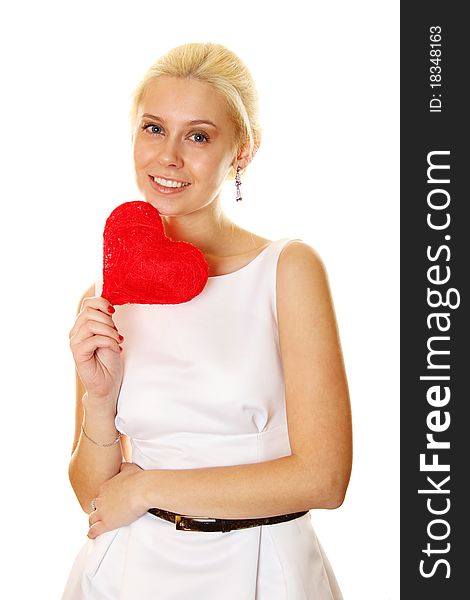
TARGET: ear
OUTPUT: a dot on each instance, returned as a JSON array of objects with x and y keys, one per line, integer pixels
[{"x": 243, "y": 157}]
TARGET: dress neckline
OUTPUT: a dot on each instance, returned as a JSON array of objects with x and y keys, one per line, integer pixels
[{"x": 232, "y": 273}]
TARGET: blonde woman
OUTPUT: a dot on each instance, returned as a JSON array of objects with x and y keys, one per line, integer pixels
[{"x": 207, "y": 430}]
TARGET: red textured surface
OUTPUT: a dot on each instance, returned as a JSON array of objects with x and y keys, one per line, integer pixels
[{"x": 141, "y": 265}]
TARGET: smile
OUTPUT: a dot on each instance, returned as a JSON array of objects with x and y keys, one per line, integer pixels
[
  {"x": 169, "y": 182},
  {"x": 167, "y": 186}
]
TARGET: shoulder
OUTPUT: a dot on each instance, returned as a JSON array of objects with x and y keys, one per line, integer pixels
[
  {"x": 302, "y": 287},
  {"x": 299, "y": 262}
]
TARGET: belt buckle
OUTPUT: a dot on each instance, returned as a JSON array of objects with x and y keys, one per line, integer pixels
[{"x": 181, "y": 522}]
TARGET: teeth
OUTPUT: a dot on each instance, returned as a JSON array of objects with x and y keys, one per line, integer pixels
[{"x": 169, "y": 182}]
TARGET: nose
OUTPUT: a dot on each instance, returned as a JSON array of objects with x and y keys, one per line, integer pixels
[{"x": 169, "y": 153}]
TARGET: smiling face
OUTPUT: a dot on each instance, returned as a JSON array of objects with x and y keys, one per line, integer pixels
[{"x": 169, "y": 146}]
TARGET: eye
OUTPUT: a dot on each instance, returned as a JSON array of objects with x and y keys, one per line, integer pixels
[
  {"x": 150, "y": 127},
  {"x": 154, "y": 129},
  {"x": 200, "y": 135}
]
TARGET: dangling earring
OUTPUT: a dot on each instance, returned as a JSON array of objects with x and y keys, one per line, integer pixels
[{"x": 238, "y": 183}]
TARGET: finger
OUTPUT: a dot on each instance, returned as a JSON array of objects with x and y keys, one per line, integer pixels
[
  {"x": 91, "y": 313},
  {"x": 99, "y": 303},
  {"x": 92, "y": 327},
  {"x": 86, "y": 349}
]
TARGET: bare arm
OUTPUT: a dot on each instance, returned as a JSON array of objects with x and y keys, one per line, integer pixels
[
  {"x": 91, "y": 465},
  {"x": 317, "y": 473}
]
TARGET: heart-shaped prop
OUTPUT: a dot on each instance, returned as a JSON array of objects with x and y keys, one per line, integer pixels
[{"x": 141, "y": 265}]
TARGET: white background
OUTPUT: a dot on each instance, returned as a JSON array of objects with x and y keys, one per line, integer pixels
[{"x": 326, "y": 172}]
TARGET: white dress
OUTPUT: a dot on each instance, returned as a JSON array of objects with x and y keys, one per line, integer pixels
[{"x": 203, "y": 386}]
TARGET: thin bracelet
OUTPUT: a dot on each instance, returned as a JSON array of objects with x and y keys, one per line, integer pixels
[{"x": 96, "y": 443}]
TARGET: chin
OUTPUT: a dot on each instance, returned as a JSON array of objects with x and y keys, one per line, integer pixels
[{"x": 166, "y": 212}]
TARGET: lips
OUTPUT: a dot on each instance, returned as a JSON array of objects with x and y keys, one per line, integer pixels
[
  {"x": 170, "y": 179},
  {"x": 167, "y": 190}
]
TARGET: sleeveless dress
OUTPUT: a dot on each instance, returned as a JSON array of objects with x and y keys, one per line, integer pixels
[{"x": 203, "y": 386}]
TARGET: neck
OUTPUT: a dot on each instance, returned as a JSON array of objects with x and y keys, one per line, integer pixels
[{"x": 208, "y": 228}]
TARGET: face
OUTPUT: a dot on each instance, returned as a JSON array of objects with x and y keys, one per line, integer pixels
[{"x": 195, "y": 157}]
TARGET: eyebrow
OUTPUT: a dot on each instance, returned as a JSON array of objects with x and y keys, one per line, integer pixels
[{"x": 194, "y": 122}]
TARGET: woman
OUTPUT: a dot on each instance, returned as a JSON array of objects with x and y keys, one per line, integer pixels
[{"x": 233, "y": 405}]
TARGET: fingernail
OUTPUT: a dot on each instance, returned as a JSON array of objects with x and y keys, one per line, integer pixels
[
  {"x": 120, "y": 337},
  {"x": 111, "y": 309}
]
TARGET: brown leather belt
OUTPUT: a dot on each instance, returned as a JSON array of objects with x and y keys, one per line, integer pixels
[{"x": 187, "y": 523}]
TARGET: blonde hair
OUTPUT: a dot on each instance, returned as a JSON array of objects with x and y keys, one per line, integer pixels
[{"x": 220, "y": 67}]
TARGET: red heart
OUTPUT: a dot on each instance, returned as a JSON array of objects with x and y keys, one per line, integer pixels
[{"x": 141, "y": 265}]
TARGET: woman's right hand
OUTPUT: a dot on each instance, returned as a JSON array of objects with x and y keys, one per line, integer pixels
[{"x": 94, "y": 342}]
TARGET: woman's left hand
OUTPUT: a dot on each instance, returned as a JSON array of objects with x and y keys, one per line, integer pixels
[{"x": 118, "y": 502}]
